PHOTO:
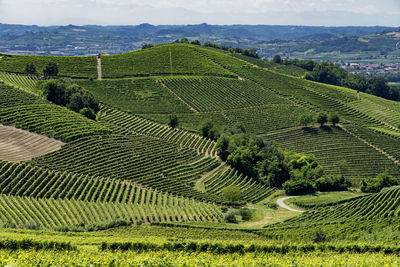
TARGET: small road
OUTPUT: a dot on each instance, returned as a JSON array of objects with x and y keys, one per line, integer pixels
[
  {"x": 281, "y": 203},
  {"x": 99, "y": 74}
]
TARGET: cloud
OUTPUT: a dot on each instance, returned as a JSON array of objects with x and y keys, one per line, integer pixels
[{"x": 117, "y": 12}]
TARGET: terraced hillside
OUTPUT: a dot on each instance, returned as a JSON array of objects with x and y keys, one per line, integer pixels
[
  {"x": 128, "y": 163},
  {"x": 336, "y": 150},
  {"x": 370, "y": 207}
]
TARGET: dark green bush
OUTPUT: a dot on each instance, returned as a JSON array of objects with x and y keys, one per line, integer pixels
[{"x": 298, "y": 187}]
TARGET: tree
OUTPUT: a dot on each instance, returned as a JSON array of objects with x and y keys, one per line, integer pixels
[
  {"x": 277, "y": 59},
  {"x": 209, "y": 130},
  {"x": 173, "y": 121},
  {"x": 145, "y": 46},
  {"x": 50, "y": 70},
  {"x": 298, "y": 187},
  {"x": 30, "y": 69},
  {"x": 322, "y": 118},
  {"x": 223, "y": 146},
  {"x": 195, "y": 42},
  {"x": 334, "y": 119},
  {"x": 306, "y": 119},
  {"x": 184, "y": 40},
  {"x": 232, "y": 193},
  {"x": 88, "y": 113}
]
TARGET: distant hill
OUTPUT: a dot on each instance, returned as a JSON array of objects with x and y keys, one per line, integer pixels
[{"x": 92, "y": 39}]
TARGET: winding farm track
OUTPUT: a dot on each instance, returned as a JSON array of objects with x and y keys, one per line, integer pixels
[
  {"x": 99, "y": 73},
  {"x": 19, "y": 145},
  {"x": 281, "y": 203}
]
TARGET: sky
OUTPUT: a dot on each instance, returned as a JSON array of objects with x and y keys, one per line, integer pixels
[{"x": 222, "y": 12}]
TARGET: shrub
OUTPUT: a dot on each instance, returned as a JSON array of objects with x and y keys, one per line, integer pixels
[
  {"x": 88, "y": 113},
  {"x": 31, "y": 225},
  {"x": 173, "y": 121},
  {"x": 298, "y": 187},
  {"x": 318, "y": 236},
  {"x": 332, "y": 184},
  {"x": 51, "y": 69},
  {"x": 374, "y": 185},
  {"x": 246, "y": 214},
  {"x": 230, "y": 216},
  {"x": 232, "y": 193}
]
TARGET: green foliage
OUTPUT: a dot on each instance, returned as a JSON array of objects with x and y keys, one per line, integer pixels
[
  {"x": 318, "y": 236},
  {"x": 160, "y": 60},
  {"x": 173, "y": 121},
  {"x": 77, "y": 67},
  {"x": 145, "y": 46},
  {"x": 332, "y": 184},
  {"x": 277, "y": 59},
  {"x": 306, "y": 119},
  {"x": 230, "y": 216},
  {"x": 51, "y": 120},
  {"x": 210, "y": 130},
  {"x": 139, "y": 95},
  {"x": 13, "y": 97},
  {"x": 28, "y": 244},
  {"x": 374, "y": 185},
  {"x": 30, "y": 69},
  {"x": 334, "y": 119},
  {"x": 232, "y": 193},
  {"x": 88, "y": 113},
  {"x": 70, "y": 95},
  {"x": 50, "y": 70},
  {"x": 298, "y": 187},
  {"x": 322, "y": 118}
]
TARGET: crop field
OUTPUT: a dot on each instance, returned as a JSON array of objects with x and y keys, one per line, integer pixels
[
  {"x": 130, "y": 187},
  {"x": 12, "y": 97},
  {"x": 17, "y": 145},
  {"x": 337, "y": 151},
  {"x": 26, "y": 83},
  {"x": 76, "y": 67},
  {"x": 160, "y": 60},
  {"x": 213, "y": 94},
  {"x": 51, "y": 120},
  {"x": 140, "y": 95}
]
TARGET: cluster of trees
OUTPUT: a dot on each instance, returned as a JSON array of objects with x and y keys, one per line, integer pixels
[
  {"x": 296, "y": 173},
  {"x": 72, "y": 96},
  {"x": 374, "y": 185},
  {"x": 50, "y": 70},
  {"x": 327, "y": 72},
  {"x": 246, "y": 52},
  {"x": 321, "y": 118}
]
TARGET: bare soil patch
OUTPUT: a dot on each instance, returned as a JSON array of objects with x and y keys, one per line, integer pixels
[{"x": 19, "y": 145}]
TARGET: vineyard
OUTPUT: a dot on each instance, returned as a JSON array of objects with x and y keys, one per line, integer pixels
[
  {"x": 76, "y": 67},
  {"x": 337, "y": 151},
  {"x": 157, "y": 186},
  {"x": 160, "y": 60},
  {"x": 385, "y": 204}
]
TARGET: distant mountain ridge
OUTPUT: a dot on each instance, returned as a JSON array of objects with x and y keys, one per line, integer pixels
[{"x": 90, "y": 39}]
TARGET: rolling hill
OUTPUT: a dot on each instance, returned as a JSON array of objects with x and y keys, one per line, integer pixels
[{"x": 129, "y": 164}]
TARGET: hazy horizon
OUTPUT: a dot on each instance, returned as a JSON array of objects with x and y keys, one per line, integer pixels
[{"x": 223, "y": 12}]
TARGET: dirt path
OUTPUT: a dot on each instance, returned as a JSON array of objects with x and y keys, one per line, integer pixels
[
  {"x": 99, "y": 74},
  {"x": 281, "y": 203},
  {"x": 175, "y": 94}
]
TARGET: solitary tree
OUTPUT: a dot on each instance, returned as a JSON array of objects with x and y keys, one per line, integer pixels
[
  {"x": 322, "y": 119},
  {"x": 334, "y": 119},
  {"x": 232, "y": 193},
  {"x": 305, "y": 120},
  {"x": 173, "y": 121},
  {"x": 51, "y": 69},
  {"x": 277, "y": 59},
  {"x": 30, "y": 69}
]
